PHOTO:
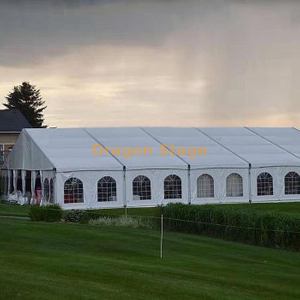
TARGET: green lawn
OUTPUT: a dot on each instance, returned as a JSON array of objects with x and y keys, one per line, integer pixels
[
  {"x": 286, "y": 208},
  {"x": 70, "y": 261},
  {"x": 14, "y": 210},
  {"x": 17, "y": 210}
]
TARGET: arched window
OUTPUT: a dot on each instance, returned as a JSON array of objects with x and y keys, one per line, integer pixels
[
  {"x": 205, "y": 186},
  {"x": 51, "y": 198},
  {"x": 292, "y": 183},
  {"x": 46, "y": 190},
  {"x": 73, "y": 191},
  {"x": 107, "y": 189},
  {"x": 172, "y": 187},
  {"x": 264, "y": 184},
  {"x": 234, "y": 185},
  {"x": 141, "y": 187}
]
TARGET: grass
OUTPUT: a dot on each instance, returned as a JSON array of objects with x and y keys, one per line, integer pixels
[
  {"x": 14, "y": 210},
  {"x": 70, "y": 261},
  {"x": 256, "y": 227},
  {"x": 292, "y": 208}
]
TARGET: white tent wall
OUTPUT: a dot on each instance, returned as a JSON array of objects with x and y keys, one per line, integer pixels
[
  {"x": 219, "y": 176},
  {"x": 157, "y": 177},
  {"x": 9, "y": 181},
  {"x": 90, "y": 189},
  {"x": 50, "y": 175},
  {"x": 26, "y": 155},
  {"x": 60, "y": 154},
  {"x": 15, "y": 178},
  {"x": 33, "y": 179},
  {"x": 278, "y": 174}
]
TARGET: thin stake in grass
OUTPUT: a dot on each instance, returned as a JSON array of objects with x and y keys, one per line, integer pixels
[{"x": 161, "y": 235}]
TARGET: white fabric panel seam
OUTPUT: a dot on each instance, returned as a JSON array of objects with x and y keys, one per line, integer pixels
[
  {"x": 157, "y": 140},
  {"x": 33, "y": 141},
  {"x": 223, "y": 146},
  {"x": 103, "y": 146},
  {"x": 132, "y": 169},
  {"x": 188, "y": 165},
  {"x": 287, "y": 151}
]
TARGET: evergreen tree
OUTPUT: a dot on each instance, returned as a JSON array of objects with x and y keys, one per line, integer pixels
[{"x": 28, "y": 100}]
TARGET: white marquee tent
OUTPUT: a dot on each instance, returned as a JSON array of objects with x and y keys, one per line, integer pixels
[{"x": 241, "y": 165}]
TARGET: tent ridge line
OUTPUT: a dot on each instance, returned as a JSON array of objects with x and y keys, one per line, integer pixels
[
  {"x": 28, "y": 135},
  {"x": 198, "y": 129},
  {"x": 157, "y": 140},
  {"x": 280, "y": 147},
  {"x": 296, "y": 129},
  {"x": 84, "y": 129}
]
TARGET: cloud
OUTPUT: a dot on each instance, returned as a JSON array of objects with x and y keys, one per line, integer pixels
[{"x": 192, "y": 63}]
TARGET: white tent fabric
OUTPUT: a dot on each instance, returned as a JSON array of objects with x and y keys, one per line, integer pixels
[
  {"x": 61, "y": 154},
  {"x": 135, "y": 137},
  {"x": 286, "y": 138},
  {"x": 26, "y": 155},
  {"x": 251, "y": 147}
]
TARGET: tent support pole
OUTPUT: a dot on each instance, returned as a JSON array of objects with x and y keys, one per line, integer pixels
[
  {"x": 8, "y": 181},
  {"x": 124, "y": 190},
  {"x": 250, "y": 187},
  {"x": 189, "y": 185}
]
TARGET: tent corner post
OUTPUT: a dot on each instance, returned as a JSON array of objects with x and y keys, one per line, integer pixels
[
  {"x": 249, "y": 184},
  {"x": 189, "y": 185}
]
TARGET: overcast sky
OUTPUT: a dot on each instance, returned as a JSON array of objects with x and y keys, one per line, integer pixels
[{"x": 151, "y": 62}]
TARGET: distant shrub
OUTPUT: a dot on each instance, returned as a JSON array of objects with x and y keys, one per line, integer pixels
[
  {"x": 80, "y": 216},
  {"x": 123, "y": 221},
  {"x": 48, "y": 213},
  {"x": 258, "y": 228}
]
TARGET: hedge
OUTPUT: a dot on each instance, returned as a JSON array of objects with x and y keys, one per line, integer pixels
[
  {"x": 48, "y": 213},
  {"x": 257, "y": 228}
]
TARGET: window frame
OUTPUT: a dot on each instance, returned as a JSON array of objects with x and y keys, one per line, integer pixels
[
  {"x": 238, "y": 192},
  {"x": 110, "y": 191},
  {"x": 46, "y": 188},
  {"x": 205, "y": 192},
  {"x": 294, "y": 183},
  {"x": 173, "y": 180},
  {"x": 264, "y": 184},
  {"x": 76, "y": 188},
  {"x": 141, "y": 184}
]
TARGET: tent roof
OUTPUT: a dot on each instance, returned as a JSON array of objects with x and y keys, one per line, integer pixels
[
  {"x": 70, "y": 149},
  {"x": 255, "y": 149}
]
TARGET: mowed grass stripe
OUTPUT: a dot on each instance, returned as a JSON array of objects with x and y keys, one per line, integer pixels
[{"x": 66, "y": 261}]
